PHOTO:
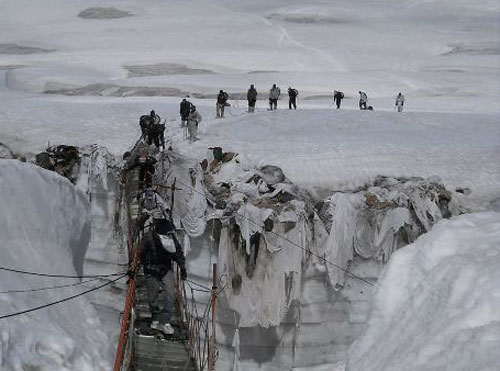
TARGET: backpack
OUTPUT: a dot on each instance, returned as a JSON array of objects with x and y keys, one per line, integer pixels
[
  {"x": 163, "y": 233},
  {"x": 222, "y": 98}
]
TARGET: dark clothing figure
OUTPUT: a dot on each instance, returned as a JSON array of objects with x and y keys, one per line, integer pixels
[
  {"x": 157, "y": 255},
  {"x": 156, "y": 135},
  {"x": 274, "y": 95},
  {"x": 292, "y": 98},
  {"x": 184, "y": 110},
  {"x": 152, "y": 130},
  {"x": 159, "y": 248},
  {"x": 252, "y": 98},
  {"x": 222, "y": 98},
  {"x": 145, "y": 121},
  {"x": 337, "y": 97}
]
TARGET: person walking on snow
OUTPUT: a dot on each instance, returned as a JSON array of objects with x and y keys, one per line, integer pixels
[
  {"x": 274, "y": 94},
  {"x": 400, "y": 101},
  {"x": 252, "y": 98},
  {"x": 292, "y": 98},
  {"x": 363, "y": 99},
  {"x": 222, "y": 98},
  {"x": 185, "y": 108},
  {"x": 193, "y": 121},
  {"x": 337, "y": 97},
  {"x": 159, "y": 247}
]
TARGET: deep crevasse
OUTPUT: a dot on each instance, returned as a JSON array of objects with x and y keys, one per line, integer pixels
[{"x": 45, "y": 227}]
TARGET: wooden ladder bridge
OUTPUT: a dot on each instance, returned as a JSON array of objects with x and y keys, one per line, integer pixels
[{"x": 140, "y": 348}]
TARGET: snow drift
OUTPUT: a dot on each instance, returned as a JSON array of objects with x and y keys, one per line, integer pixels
[
  {"x": 45, "y": 227},
  {"x": 437, "y": 306}
]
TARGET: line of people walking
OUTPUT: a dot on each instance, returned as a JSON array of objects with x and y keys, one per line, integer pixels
[
  {"x": 275, "y": 92},
  {"x": 153, "y": 130}
]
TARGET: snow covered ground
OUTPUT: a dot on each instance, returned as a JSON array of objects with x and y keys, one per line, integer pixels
[
  {"x": 45, "y": 228},
  {"x": 103, "y": 72},
  {"x": 436, "y": 306}
]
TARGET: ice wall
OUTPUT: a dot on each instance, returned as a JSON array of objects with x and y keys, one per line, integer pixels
[
  {"x": 282, "y": 306},
  {"x": 437, "y": 305},
  {"x": 45, "y": 227},
  {"x": 381, "y": 217}
]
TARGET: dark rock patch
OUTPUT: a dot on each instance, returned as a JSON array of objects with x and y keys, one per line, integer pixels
[
  {"x": 163, "y": 69},
  {"x": 61, "y": 159},
  {"x": 110, "y": 90},
  {"x": 104, "y": 13},
  {"x": 493, "y": 49},
  {"x": 306, "y": 18},
  {"x": 15, "y": 49},
  {"x": 10, "y": 67},
  {"x": 257, "y": 71}
]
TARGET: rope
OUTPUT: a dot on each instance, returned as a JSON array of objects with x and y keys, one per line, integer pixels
[
  {"x": 49, "y": 287},
  {"x": 62, "y": 300},
  {"x": 61, "y": 275}
]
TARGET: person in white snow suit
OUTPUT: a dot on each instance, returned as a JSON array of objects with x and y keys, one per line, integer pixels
[
  {"x": 362, "y": 100},
  {"x": 222, "y": 98},
  {"x": 159, "y": 247},
  {"x": 337, "y": 97},
  {"x": 252, "y": 98},
  {"x": 193, "y": 121},
  {"x": 400, "y": 101},
  {"x": 274, "y": 95},
  {"x": 292, "y": 98}
]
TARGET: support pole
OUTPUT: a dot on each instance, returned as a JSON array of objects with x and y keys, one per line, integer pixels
[{"x": 211, "y": 353}]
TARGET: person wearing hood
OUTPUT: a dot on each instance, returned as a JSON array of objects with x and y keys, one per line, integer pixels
[
  {"x": 337, "y": 97},
  {"x": 184, "y": 110},
  {"x": 159, "y": 248},
  {"x": 252, "y": 98},
  {"x": 274, "y": 94},
  {"x": 292, "y": 98},
  {"x": 222, "y": 99}
]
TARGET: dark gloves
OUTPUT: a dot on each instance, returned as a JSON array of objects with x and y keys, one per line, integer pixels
[{"x": 183, "y": 274}]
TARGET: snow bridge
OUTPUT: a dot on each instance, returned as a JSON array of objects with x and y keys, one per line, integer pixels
[{"x": 192, "y": 346}]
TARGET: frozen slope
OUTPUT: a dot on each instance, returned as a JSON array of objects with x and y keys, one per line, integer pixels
[
  {"x": 437, "y": 302},
  {"x": 45, "y": 227}
]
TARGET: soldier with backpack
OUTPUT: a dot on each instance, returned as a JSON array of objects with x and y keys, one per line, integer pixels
[
  {"x": 145, "y": 121},
  {"x": 337, "y": 97},
  {"x": 252, "y": 98},
  {"x": 184, "y": 110},
  {"x": 156, "y": 135},
  {"x": 363, "y": 99},
  {"x": 159, "y": 248},
  {"x": 274, "y": 95},
  {"x": 400, "y": 101},
  {"x": 222, "y": 99},
  {"x": 292, "y": 98}
]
